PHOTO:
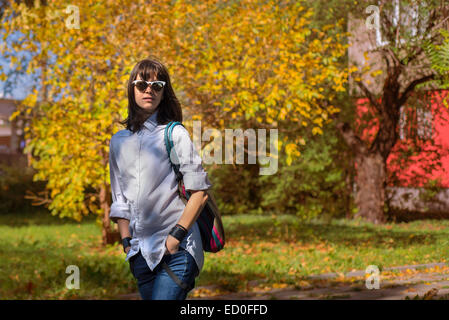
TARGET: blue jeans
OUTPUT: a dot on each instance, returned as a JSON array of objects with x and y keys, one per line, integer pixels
[{"x": 157, "y": 284}]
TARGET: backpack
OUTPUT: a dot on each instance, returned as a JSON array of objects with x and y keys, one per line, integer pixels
[{"x": 209, "y": 220}]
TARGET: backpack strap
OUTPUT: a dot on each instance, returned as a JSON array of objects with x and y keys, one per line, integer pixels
[
  {"x": 168, "y": 139},
  {"x": 175, "y": 278},
  {"x": 169, "y": 145}
]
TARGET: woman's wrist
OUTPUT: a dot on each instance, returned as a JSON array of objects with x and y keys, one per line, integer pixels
[
  {"x": 171, "y": 244},
  {"x": 178, "y": 232},
  {"x": 126, "y": 242},
  {"x": 182, "y": 227}
]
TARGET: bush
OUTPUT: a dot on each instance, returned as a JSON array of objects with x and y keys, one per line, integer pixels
[
  {"x": 317, "y": 183},
  {"x": 314, "y": 184},
  {"x": 236, "y": 188},
  {"x": 14, "y": 183}
]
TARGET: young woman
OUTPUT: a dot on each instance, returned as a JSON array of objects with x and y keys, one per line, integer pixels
[{"x": 160, "y": 236}]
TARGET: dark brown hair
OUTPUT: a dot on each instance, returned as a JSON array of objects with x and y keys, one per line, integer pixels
[{"x": 169, "y": 109}]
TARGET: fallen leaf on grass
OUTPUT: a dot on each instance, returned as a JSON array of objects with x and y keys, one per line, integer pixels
[
  {"x": 430, "y": 294},
  {"x": 279, "y": 285},
  {"x": 204, "y": 292},
  {"x": 304, "y": 284}
]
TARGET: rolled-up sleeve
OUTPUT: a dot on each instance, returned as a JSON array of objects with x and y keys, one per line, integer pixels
[
  {"x": 194, "y": 176},
  {"x": 120, "y": 206}
]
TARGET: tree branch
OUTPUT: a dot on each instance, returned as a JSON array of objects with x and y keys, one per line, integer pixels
[
  {"x": 348, "y": 134},
  {"x": 429, "y": 30},
  {"x": 351, "y": 139},
  {"x": 369, "y": 95},
  {"x": 387, "y": 51},
  {"x": 409, "y": 89}
]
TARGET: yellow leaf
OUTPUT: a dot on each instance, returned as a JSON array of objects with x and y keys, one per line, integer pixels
[{"x": 365, "y": 54}]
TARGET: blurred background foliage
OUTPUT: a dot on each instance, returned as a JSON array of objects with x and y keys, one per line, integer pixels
[{"x": 263, "y": 64}]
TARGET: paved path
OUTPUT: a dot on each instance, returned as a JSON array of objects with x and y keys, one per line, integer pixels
[{"x": 425, "y": 281}]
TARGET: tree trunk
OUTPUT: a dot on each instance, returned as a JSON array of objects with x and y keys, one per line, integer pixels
[
  {"x": 371, "y": 181},
  {"x": 108, "y": 236}
]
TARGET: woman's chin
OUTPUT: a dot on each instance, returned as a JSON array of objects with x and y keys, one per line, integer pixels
[{"x": 148, "y": 106}]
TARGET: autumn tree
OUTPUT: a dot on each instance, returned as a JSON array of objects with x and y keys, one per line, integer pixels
[
  {"x": 259, "y": 64},
  {"x": 389, "y": 65},
  {"x": 247, "y": 64},
  {"x": 81, "y": 57}
]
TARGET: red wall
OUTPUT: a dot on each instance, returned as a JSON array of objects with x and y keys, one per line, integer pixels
[{"x": 432, "y": 159}]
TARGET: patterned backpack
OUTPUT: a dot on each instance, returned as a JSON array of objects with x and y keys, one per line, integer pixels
[{"x": 209, "y": 220}]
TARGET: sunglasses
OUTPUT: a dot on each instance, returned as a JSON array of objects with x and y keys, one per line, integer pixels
[{"x": 142, "y": 85}]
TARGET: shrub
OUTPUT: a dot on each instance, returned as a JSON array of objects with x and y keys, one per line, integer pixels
[
  {"x": 236, "y": 188},
  {"x": 314, "y": 184},
  {"x": 14, "y": 183}
]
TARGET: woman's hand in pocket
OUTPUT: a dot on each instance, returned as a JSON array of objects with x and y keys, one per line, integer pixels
[{"x": 171, "y": 245}]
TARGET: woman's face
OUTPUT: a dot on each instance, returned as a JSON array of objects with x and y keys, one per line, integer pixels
[{"x": 149, "y": 99}]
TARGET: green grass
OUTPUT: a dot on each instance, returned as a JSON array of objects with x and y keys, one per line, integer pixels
[
  {"x": 286, "y": 250},
  {"x": 35, "y": 251}
]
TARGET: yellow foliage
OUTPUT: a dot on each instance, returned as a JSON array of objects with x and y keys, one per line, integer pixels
[{"x": 238, "y": 63}]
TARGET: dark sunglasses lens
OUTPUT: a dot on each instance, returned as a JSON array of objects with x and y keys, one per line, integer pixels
[
  {"x": 141, "y": 86},
  {"x": 157, "y": 86}
]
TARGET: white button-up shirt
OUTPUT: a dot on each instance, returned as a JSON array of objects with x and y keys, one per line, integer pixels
[{"x": 145, "y": 191}]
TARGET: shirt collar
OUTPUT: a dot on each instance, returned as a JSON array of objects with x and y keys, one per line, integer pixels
[{"x": 151, "y": 122}]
